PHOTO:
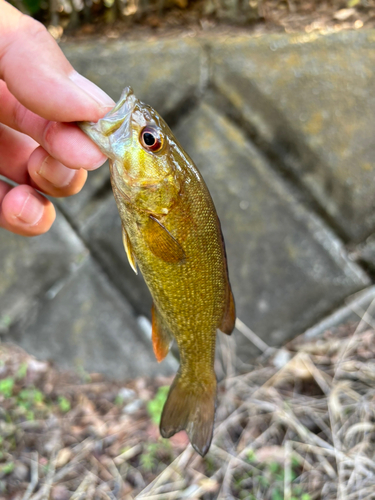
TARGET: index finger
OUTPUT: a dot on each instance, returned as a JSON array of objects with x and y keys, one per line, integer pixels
[{"x": 64, "y": 141}]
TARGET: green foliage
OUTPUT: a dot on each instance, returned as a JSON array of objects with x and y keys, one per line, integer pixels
[
  {"x": 30, "y": 415},
  {"x": 30, "y": 400},
  {"x": 245, "y": 495},
  {"x": 119, "y": 400},
  {"x": 5, "y": 321},
  {"x": 6, "y": 387},
  {"x": 251, "y": 456},
  {"x": 148, "y": 457},
  {"x": 30, "y": 396},
  {"x": 33, "y": 6},
  {"x": 277, "y": 495},
  {"x": 266, "y": 480},
  {"x": 274, "y": 467},
  {"x": 22, "y": 371},
  {"x": 7, "y": 468},
  {"x": 155, "y": 406},
  {"x": 154, "y": 454},
  {"x": 64, "y": 404},
  {"x": 210, "y": 464},
  {"x": 86, "y": 378},
  {"x": 22, "y": 402}
]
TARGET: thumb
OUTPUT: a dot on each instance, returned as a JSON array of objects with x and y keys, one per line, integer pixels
[{"x": 40, "y": 77}]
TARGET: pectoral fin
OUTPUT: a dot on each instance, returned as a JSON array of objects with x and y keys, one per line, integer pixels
[
  {"x": 129, "y": 251},
  {"x": 161, "y": 338},
  {"x": 161, "y": 243}
]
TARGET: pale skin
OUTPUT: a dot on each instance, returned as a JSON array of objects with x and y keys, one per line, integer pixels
[{"x": 39, "y": 150}]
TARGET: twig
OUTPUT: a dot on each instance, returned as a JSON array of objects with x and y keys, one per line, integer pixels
[
  {"x": 46, "y": 488},
  {"x": 128, "y": 454},
  {"x": 86, "y": 482},
  {"x": 34, "y": 465},
  {"x": 250, "y": 335},
  {"x": 288, "y": 471},
  {"x": 174, "y": 468},
  {"x": 224, "y": 491}
]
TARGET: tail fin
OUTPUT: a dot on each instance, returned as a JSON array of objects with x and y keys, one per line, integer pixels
[{"x": 190, "y": 406}]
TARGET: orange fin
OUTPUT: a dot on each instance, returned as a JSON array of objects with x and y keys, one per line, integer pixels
[
  {"x": 190, "y": 406},
  {"x": 161, "y": 338},
  {"x": 229, "y": 318},
  {"x": 162, "y": 244},
  {"x": 129, "y": 251}
]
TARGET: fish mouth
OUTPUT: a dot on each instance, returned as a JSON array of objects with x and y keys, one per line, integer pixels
[{"x": 112, "y": 132}]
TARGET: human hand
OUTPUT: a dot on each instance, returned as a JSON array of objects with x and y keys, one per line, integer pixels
[{"x": 39, "y": 150}]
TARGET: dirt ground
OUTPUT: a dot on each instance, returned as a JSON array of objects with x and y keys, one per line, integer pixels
[{"x": 300, "y": 425}]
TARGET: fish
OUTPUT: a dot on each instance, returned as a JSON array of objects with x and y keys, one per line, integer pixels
[{"x": 172, "y": 234}]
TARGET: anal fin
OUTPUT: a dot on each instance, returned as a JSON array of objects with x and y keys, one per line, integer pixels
[
  {"x": 129, "y": 251},
  {"x": 161, "y": 337}
]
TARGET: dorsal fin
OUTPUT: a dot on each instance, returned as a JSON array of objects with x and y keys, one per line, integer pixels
[
  {"x": 161, "y": 337},
  {"x": 129, "y": 250},
  {"x": 161, "y": 243},
  {"x": 229, "y": 318}
]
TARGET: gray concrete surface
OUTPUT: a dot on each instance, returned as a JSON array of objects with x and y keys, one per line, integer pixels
[
  {"x": 281, "y": 127},
  {"x": 311, "y": 98},
  {"x": 88, "y": 324},
  {"x": 29, "y": 267},
  {"x": 165, "y": 73}
]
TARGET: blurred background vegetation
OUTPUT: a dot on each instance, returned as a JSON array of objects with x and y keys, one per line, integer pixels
[
  {"x": 85, "y": 17},
  {"x": 71, "y": 14}
]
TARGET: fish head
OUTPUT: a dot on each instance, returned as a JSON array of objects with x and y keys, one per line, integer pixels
[{"x": 145, "y": 158}]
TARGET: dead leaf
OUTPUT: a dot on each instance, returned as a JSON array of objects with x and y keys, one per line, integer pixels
[{"x": 344, "y": 14}]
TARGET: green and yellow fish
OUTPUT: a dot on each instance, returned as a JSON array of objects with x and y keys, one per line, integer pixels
[{"x": 172, "y": 233}]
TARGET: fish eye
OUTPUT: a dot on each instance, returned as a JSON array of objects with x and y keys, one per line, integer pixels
[{"x": 151, "y": 139}]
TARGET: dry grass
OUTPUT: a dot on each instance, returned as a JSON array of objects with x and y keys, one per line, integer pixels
[{"x": 299, "y": 426}]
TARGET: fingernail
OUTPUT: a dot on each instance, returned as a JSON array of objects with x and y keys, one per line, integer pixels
[
  {"x": 56, "y": 173},
  {"x": 94, "y": 166},
  {"x": 31, "y": 211},
  {"x": 92, "y": 90}
]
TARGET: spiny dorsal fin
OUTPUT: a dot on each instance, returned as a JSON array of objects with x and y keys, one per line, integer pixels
[
  {"x": 229, "y": 318},
  {"x": 161, "y": 337},
  {"x": 129, "y": 251},
  {"x": 161, "y": 243}
]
